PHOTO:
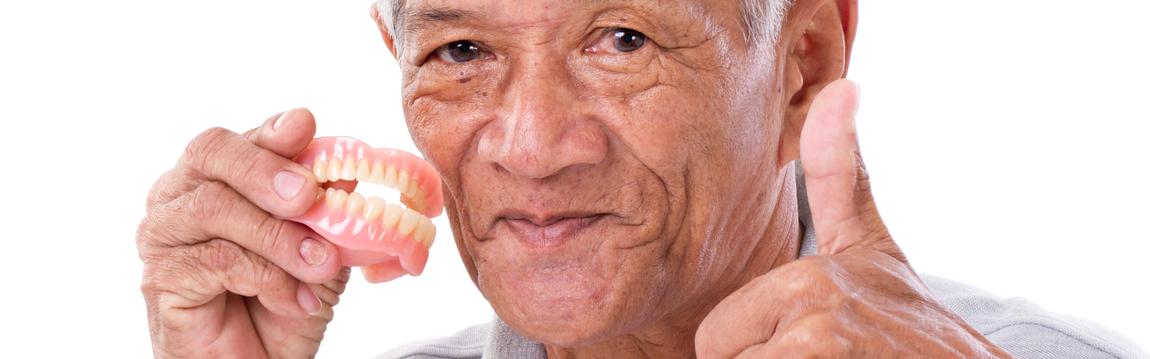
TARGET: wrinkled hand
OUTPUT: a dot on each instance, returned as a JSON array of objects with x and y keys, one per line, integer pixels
[
  {"x": 858, "y": 297},
  {"x": 224, "y": 275}
]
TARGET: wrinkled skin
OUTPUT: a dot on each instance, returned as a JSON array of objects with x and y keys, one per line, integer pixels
[
  {"x": 612, "y": 202},
  {"x": 224, "y": 276},
  {"x": 607, "y": 203}
]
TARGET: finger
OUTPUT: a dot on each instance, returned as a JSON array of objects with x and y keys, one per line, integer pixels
[
  {"x": 271, "y": 181},
  {"x": 838, "y": 186},
  {"x": 288, "y": 331},
  {"x": 755, "y": 312},
  {"x": 330, "y": 291},
  {"x": 195, "y": 275},
  {"x": 215, "y": 210},
  {"x": 291, "y": 335},
  {"x": 813, "y": 336},
  {"x": 286, "y": 134},
  {"x": 742, "y": 319}
]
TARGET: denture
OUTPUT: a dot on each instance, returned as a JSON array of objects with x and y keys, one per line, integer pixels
[{"x": 386, "y": 239}]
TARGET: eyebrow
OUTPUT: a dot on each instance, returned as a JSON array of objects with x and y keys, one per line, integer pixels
[{"x": 421, "y": 19}]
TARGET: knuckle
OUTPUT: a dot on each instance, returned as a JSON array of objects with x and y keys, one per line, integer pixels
[
  {"x": 219, "y": 256},
  {"x": 801, "y": 277},
  {"x": 266, "y": 273},
  {"x": 162, "y": 274},
  {"x": 145, "y": 232},
  {"x": 207, "y": 202},
  {"x": 270, "y": 232},
  {"x": 150, "y": 282},
  {"x": 205, "y": 146},
  {"x": 161, "y": 191},
  {"x": 822, "y": 331},
  {"x": 158, "y": 230}
]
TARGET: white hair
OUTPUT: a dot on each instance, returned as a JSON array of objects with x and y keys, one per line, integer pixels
[{"x": 762, "y": 19}]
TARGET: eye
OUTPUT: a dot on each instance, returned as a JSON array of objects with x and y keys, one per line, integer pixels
[
  {"x": 627, "y": 40},
  {"x": 618, "y": 40},
  {"x": 459, "y": 52}
]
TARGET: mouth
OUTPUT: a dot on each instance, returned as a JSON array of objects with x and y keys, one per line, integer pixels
[
  {"x": 370, "y": 231},
  {"x": 550, "y": 230}
]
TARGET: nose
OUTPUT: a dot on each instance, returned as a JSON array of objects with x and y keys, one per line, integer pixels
[{"x": 543, "y": 128}]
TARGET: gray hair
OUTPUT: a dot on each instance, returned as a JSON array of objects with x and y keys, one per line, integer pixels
[{"x": 762, "y": 19}]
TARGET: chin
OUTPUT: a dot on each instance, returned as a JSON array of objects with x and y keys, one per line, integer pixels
[
  {"x": 569, "y": 297},
  {"x": 562, "y": 322}
]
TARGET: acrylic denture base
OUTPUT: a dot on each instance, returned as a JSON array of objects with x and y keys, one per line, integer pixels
[{"x": 386, "y": 239}]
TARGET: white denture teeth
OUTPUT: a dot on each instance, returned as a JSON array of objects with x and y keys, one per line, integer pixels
[
  {"x": 430, "y": 234},
  {"x": 391, "y": 215},
  {"x": 420, "y": 232},
  {"x": 348, "y": 173},
  {"x": 355, "y": 202},
  {"x": 389, "y": 177},
  {"x": 408, "y": 221},
  {"x": 377, "y": 171},
  {"x": 426, "y": 232},
  {"x": 333, "y": 170},
  {"x": 374, "y": 208},
  {"x": 403, "y": 181},
  {"x": 337, "y": 199},
  {"x": 363, "y": 171},
  {"x": 320, "y": 170}
]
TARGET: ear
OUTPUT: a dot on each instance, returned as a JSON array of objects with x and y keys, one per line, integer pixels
[
  {"x": 383, "y": 30},
  {"x": 814, "y": 50}
]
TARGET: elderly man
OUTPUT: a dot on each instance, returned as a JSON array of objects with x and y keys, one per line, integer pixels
[{"x": 621, "y": 181}]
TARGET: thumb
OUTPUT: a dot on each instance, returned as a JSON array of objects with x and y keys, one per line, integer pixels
[
  {"x": 838, "y": 186},
  {"x": 287, "y": 134}
]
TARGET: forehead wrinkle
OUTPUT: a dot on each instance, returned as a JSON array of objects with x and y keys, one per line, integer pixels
[{"x": 416, "y": 18}]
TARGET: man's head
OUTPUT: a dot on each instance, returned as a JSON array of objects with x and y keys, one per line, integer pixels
[{"x": 615, "y": 167}]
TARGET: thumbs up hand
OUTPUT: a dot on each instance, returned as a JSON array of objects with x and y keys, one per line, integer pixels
[{"x": 859, "y": 297}]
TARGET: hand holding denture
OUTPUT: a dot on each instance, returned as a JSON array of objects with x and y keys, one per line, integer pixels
[
  {"x": 224, "y": 273},
  {"x": 386, "y": 239}
]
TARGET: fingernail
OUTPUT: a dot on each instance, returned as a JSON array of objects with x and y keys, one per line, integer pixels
[
  {"x": 308, "y": 300},
  {"x": 279, "y": 120},
  {"x": 288, "y": 184},
  {"x": 313, "y": 252}
]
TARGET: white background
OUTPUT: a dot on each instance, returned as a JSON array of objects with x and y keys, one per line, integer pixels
[{"x": 1006, "y": 139}]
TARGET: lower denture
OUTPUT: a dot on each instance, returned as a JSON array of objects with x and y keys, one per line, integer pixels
[{"x": 386, "y": 239}]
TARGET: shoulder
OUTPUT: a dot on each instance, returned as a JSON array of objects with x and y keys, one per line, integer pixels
[
  {"x": 465, "y": 344},
  {"x": 1028, "y": 331}
]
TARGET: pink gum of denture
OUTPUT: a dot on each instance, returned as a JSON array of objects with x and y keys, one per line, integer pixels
[{"x": 382, "y": 251}]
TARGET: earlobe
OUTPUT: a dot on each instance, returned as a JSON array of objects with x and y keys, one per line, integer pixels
[{"x": 383, "y": 30}]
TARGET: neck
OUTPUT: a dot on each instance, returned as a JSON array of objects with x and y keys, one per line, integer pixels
[{"x": 674, "y": 335}]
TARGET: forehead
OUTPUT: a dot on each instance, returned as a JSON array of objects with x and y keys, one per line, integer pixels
[{"x": 415, "y": 15}]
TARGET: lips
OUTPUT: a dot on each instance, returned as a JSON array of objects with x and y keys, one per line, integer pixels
[{"x": 548, "y": 231}]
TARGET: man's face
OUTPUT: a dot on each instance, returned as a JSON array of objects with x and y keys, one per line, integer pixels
[{"x": 608, "y": 164}]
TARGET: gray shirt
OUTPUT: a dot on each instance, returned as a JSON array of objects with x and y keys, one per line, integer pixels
[{"x": 1018, "y": 326}]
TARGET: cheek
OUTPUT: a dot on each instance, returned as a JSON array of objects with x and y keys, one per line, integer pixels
[
  {"x": 443, "y": 117},
  {"x": 713, "y": 156}
]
